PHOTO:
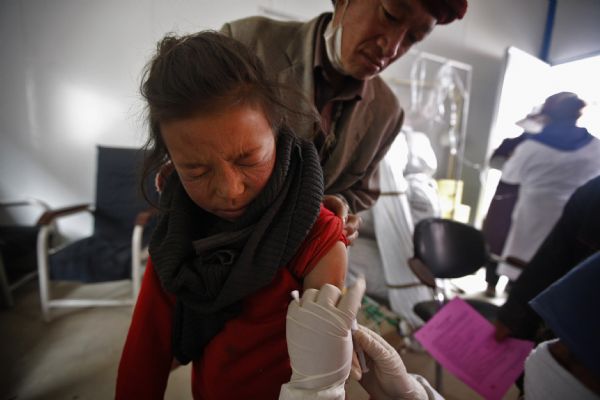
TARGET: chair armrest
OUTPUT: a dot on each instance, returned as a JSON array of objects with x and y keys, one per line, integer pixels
[
  {"x": 26, "y": 202},
  {"x": 144, "y": 217},
  {"x": 422, "y": 272},
  {"x": 29, "y": 202},
  {"x": 49, "y": 216}
]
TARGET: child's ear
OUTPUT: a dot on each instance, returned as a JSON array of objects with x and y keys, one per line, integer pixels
[{"x": 163, "y": 174}]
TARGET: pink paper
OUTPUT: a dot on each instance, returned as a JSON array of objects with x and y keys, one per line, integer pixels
[{"x": 462, "y": 341}]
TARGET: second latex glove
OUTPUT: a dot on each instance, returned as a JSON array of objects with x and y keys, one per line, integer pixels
[
  {"x": 318, "y": 336},
  {"x": 387, "y": 378}
]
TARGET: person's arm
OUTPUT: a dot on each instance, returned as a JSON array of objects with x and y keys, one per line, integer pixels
[
  {"x": 505, "y": 150},
  {"x": 560, "y": 252},
  {"x": 331, "y": 269},
  {"x": 322, "y": 256},
  {"x": 364, "y": 193},
  {"x": 516, "y": 166},
  {"x": 147, "y": 357}
]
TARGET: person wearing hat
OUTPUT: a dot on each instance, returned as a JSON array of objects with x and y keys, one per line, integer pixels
[
  {"x": 568, "y": 367},
  {"x": 548, "y": 167},
  {"x": 575, "y": 237},
  {"x": 334, "y": 60}
]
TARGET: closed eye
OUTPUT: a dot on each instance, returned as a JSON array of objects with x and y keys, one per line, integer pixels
[
  {"x": 192, "y": 175},
  {"x": 251, "y": 159},
  {"x": 389, "y": 16},
  {"x": 248, "y": 163}
]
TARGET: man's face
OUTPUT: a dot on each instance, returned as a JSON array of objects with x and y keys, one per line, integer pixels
[{"x": 377, "y": 32}]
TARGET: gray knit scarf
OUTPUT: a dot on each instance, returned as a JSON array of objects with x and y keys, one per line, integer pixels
[{"x": 210, "y": 264}]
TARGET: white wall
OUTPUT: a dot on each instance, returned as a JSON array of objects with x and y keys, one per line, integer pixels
[{"x": 70, "y": 73}]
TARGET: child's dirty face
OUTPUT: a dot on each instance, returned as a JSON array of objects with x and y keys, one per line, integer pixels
[{"x": 224, "y": 160}]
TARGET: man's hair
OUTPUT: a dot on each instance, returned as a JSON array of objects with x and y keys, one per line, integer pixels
[{"x": 444, "y": 11}]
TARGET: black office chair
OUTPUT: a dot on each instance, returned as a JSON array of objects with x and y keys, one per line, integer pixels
[
  {"x": 447, "y": 249},
  {"x": 118, "y": 246}
]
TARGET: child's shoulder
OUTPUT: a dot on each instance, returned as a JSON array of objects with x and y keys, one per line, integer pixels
[
  {"x": 324, "y": 234},
  {"x": 327, "y": 224}
]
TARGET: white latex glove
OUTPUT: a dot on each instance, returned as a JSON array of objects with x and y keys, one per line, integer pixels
[
  {"x": 387, "y": 378},
  {"x": 319, "y": 342}
]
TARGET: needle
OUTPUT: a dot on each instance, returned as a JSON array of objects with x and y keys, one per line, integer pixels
[{"x": 359, "y": 350}]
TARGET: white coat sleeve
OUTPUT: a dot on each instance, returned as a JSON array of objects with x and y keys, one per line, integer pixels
[{"x": 516, "y": 166}]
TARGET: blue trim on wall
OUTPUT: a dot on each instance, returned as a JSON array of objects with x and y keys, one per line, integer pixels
[{"x": 547, "y": 41}]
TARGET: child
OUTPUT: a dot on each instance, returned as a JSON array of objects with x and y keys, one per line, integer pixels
[{"x": 241, "y": 226}]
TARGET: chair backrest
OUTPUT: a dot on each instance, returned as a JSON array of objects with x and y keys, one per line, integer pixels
[
  {"x": 450, "y": 249},
  {"x": 118, "y": 198}
]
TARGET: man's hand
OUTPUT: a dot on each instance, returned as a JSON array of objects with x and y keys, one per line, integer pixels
[
  {"x": 502, "y": 331},
  {"x": 340, "y": 207}
]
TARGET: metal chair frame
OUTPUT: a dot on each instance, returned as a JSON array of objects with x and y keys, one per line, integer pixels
[
  {"x": 6, "y": 287},
  {"x": 44, "y": 250}
]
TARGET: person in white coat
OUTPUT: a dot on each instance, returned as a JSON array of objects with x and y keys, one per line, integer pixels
[{"x": 548, "y": 166}]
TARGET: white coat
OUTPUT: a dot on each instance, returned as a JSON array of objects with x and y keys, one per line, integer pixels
[{"x": 546, "y": 177}]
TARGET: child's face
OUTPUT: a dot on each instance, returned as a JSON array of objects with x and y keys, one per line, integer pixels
[{"x": 224, "y": 160}]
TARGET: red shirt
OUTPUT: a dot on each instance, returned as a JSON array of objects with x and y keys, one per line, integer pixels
[{"x": 248, "y": 359}]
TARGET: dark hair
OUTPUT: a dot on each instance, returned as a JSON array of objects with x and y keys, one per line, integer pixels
[
  {"x": 203, "y": 73},
  {"x": 563, "y": 106}
]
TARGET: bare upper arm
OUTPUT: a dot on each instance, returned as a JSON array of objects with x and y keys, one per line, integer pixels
[{"x": 331, "y": 268}]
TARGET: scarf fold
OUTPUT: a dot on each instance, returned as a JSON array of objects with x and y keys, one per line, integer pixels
[
  {"x": 563, "y": 136},
  {"x": 210, "y": 264}
]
